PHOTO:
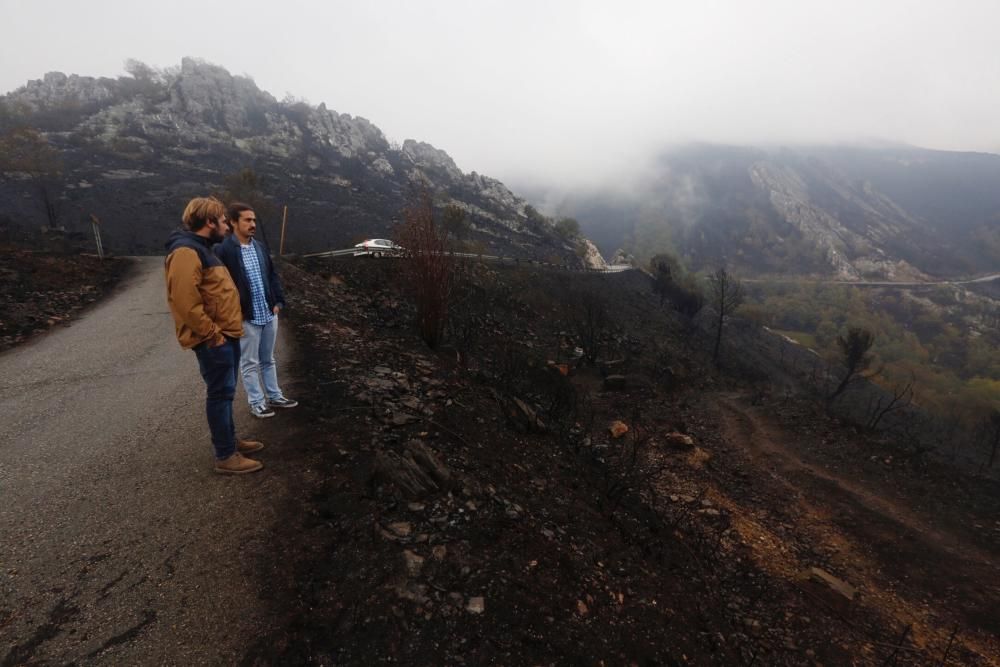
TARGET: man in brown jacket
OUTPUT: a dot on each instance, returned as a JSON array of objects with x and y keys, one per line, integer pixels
[{"x": 207, "y": 317}]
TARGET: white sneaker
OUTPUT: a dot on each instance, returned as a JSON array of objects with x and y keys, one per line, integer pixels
[{"x": 261, "y": 411}]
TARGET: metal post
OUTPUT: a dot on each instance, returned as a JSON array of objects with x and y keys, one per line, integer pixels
[
  {"x": 284, "y": 221},
  {"x": 96, "y": 224}
]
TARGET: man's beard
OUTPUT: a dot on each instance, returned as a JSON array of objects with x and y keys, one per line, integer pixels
[{"x": 216, "y": 236}]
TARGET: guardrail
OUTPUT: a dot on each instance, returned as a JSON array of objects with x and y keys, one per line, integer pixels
[
  {"x": 513, "y": 261},
  {"x": 331, "y": 253}
]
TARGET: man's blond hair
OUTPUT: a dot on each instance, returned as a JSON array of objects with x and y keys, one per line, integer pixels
[{"x": 200, "y": 211}]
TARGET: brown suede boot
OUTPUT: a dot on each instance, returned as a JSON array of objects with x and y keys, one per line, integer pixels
[
  {"x": 237, "y": 464},
  {"x": 248, "y": 446}
]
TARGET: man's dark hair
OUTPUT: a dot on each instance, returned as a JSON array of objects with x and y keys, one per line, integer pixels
[{"x": 236, "y": 208}]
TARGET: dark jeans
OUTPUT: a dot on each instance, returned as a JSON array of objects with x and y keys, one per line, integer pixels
[{"x": 219, "y": 367}]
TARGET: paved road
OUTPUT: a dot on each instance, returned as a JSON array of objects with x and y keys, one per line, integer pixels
[
  {"x": 527, "y": 263},
  {"x": 868, "y": 283},
  {"x": 118, "y": 545}
]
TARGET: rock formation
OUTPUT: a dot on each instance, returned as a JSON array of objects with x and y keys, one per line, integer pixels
[{"x": 136, "y": 148}]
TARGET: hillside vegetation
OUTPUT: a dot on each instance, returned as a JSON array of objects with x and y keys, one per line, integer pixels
[{"x": 944, "y": 339}]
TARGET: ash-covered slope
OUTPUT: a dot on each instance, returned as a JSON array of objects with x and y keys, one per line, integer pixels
[
  {"x": 847, "y": 212},
  {"x": 135, "y": 149}
]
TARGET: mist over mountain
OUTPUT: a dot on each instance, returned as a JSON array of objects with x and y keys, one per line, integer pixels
[
  {"x": 133, "y": 150},
  {"x": 889, "y": 211}
]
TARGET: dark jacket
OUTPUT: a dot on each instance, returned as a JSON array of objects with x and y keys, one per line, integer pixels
[
  {"x": 231, "y": 255},
  {"x": 202, "y": 297}
]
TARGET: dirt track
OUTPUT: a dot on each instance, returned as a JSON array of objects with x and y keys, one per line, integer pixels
[{"x": 913, "y": 561}]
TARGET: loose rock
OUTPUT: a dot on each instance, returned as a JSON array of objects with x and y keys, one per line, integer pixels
[
  {"x": 477, "y": 605},
  {"x": 414, "y": 563},
  {"x": 617, "y": 429}
]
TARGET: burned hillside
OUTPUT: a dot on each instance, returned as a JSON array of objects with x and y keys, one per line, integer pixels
[
  {"x": 569, "y": 479},
  {"x": 45, "y": 281}
]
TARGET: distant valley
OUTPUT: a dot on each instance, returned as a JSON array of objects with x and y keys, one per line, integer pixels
[
  {"x": 851, "y": 213},
  {"x": 798, "y": 223}
]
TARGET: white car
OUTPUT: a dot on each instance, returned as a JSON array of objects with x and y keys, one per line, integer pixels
[{"x": 378, "y": 248}]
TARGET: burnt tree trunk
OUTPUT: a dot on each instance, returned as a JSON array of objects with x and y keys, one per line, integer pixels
[{"x": 718, "y": 336}]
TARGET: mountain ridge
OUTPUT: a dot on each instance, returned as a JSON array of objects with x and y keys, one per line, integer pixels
[{"x": 138, "y": 147}]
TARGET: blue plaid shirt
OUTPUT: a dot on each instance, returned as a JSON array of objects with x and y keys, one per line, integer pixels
[{"x": 261, "y": 313}]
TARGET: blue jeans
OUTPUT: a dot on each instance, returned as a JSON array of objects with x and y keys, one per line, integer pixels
[
  {"x": 257, "y": 360},
  {"x": 218, "y": 368}
]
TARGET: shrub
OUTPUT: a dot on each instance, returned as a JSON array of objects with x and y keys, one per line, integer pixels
[
  {"x": 455, "y": 222},
  {"x": 672, "y": 283},
  {"x": 567, "y": 229}
]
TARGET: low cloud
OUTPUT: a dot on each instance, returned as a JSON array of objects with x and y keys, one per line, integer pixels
[{"x": 568, "y": 92}]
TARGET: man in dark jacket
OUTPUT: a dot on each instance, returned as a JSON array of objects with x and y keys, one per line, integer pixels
[
  {"x": 207, "y": 319},
  {"x": 261, "y": 299}
]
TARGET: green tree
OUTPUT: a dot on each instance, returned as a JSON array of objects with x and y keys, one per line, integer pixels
[
  {"x": 672, "y": 283},
  {"x": 140, "y": 71},
  {"x": 568, "y": 228},
  {"x": 662, "y": 268},
  {"x": 536, "y": 222},
  {"x": 455, "y": 222},
  {"x": 13, "y": 114},
  {"x": 826, "y": 333},
  {"x": 146, "y": 82}
]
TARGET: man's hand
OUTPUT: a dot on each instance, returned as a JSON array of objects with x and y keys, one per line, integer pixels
[
  {"x": 276, "y": 309},
  {"x": 218, "y": 342}
]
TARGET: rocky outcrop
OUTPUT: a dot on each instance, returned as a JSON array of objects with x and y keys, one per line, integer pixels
[
  {"x": 853, "y": 244},
  {"x": 187, "y": 128},
  {"x": 622, "y": 258},
  {"x": 351, "y": 137},
  {"x": 425, "y": 156},
  {"x": 497, "y": 191},
  {"x": 56, "y": 90},
  {"x": 210, "y": 95},
  {"x": 591, "y": 256},
  {"x": 790, "y": 198}
]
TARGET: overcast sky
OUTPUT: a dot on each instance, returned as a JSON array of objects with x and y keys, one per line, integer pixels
[{"x": 564, "y": 90}]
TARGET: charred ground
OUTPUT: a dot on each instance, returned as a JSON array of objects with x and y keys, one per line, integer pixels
[
  {"x": 470, "y": 505},
  {"x": 45, "y": 282}
]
